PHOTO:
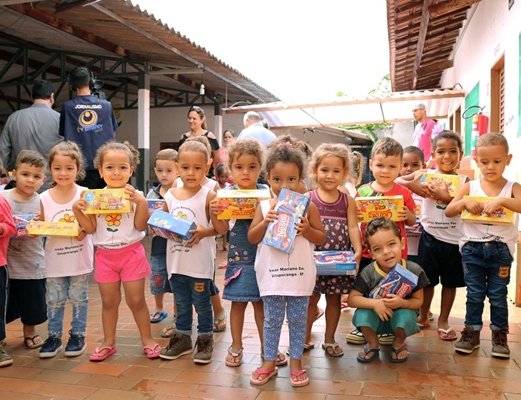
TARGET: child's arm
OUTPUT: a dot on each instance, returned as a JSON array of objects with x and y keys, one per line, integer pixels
[
  {"x": 357, "y": 300},
  {"x": 414, "y": 302},
  {"x": 512, "y": 203},
  {"x": 220, "y": 225},
  {"x": 87, "y": 222},
  {"x": 413, "y": 183},
  {"x": 7, "y": 226},
  {"x": 311, "y": 227},
  {"x": 354, "y": 230},
  {"x": 141, "y": 213},
  {"x": 407, "y": 215},
  {"x": 459, "y": 204},
  {"x": 259, "y": 224}
]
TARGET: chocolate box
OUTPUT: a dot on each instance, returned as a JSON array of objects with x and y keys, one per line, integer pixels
[
  {"x": 281, "y": 233},
  {"x": 170, "y": 227},
  {"x": 453, "y": 182},
  {"x": 106, "y": 201},
  {"x": 154, "y": 204},
  {"x": 58, "y": 229},
  {"x": 335, "y": 262},
  {"x": 240, "y": 204},
  {"x": 399, "y": 281},
  {"x": 379, "y": 206},
  {"x": 500, "y": 216},
  {"x": 21, "y": 222}
]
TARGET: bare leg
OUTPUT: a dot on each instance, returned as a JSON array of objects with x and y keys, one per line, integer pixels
[
  {"x": 158, "y": 298},
  {"x": 333, "y": 311},
  {"x": 447, "y": 300},
  {"x": 312, "y": 312},
  {"x": 258, "y": 314},
  {"x": 236, "y": 323},
  {"x": 428, "y": 294},
  {"x": 218, "y": 309},
  {"x": 372, "y": 342},
  {"x": 110, "y": 298},
  {"x": 399, "y": 342}
]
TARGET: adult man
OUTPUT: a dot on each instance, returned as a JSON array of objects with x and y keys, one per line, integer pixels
[
  {"x": 253, "y": 129},
  {"x": 34, "y": 128},
  {"x": 425, "y": 130},
  {"x": 88, "y": 121}
]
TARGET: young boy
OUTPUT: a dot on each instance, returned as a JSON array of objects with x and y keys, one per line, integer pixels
[
  {"x": 391, "y": 314},
  {"x": 487, "y": 249},
  {"x": 7, "y": 229},
  {"x": 25, "y": 257},
  {"x": 166, "y": 173},
  {"x": 385, "y": 164}
]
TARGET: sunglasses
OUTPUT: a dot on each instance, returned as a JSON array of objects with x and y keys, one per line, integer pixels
[{"x": 195, "y": 108}]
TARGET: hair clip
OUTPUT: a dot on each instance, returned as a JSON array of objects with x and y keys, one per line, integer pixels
[{"x": 285, "y": 144}]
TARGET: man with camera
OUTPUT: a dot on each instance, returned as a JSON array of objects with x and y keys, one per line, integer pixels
[{"x": 88, "y": 121}]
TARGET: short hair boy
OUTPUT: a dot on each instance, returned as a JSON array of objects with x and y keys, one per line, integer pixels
[
  {"x": 166, "y": 173},
  {"x": 391, "y": 315},
  {"x": 25, "y": 257},
  {"x": 487, "y": 249}
]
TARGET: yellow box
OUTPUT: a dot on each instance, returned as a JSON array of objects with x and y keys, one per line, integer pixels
[
  {"x": 379, "y": 206},
  {"x": 106, "y": 201},
  {"x": 44, "y": 228},
  {"x": 453, "y": 182},
  {"x": 500, "y": 216},
  {"x": 240, "y": 204}
]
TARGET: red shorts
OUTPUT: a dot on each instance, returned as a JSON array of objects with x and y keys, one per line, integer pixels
[{"x": 126, "y": 264}]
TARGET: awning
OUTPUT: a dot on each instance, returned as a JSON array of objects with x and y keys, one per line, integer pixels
[{"x": 395, "y": 107}]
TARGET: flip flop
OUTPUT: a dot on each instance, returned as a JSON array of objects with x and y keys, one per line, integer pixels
[
  {"x": 218, "y": 320},
  {"x": 279, "y": 362},
  {"x": 424, "y": 326},
  {"x": 367, "y": 351},
  {"x": 172, "y": 327},
  {"x": 332, "y": 346},
  {"x": 344, "y": 307},
  {"x": 298, "y": 383},
  {"x": 158, "y": 316},
  {"x": 153, "y": 352},
  {"x": 97, "y": 356},
  {"x": 223, "y": 265},
  {"x": 307, "y": 347},
  {"x": 268, "y": 372},
  {"x": 398, "y": 351},
  {"x": 447, "y": 334},
  {"x": 235, "y": 355},
  {"x": 32, "y": 339}
]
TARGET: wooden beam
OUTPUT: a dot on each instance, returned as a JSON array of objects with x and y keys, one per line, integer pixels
[
  {"x": 11, "y": 2},
  {"x": 424, "y": 24},
  {"x": 449, "y": 7},
  {"x": 68, "y": 6}
]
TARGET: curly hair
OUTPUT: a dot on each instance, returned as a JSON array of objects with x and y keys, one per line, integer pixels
[
  {"x": 330, "y": 150},
  {"x": 126, "y": 147},
  {"x": 380, "y": 224},
  {"x": 285, "y": 153},
  {"x": 245, "y": 146}
]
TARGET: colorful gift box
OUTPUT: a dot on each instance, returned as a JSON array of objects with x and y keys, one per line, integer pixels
[
  {"x": 399, "y": 281},
  {"x": 106, "y": 201},
  {"x": 500, "y": 216},
  {"x": 21, "y": 222},
  {"x": 281, "y": 233},
  {"x": 57, "y": 229},
  {"x": 240, "y": 204},
  {"x": 335, "y": 262},
  {"x": 379, "y": 206},
  {"x": 154, "y": 205},
  {"x": 171, "y": 227},
  {"x": 453, "y": 182}
]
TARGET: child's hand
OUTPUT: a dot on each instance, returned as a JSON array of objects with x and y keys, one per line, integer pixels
[
  {"x": 302, "y": 226},
  {"x": 403, "y": 214},
  {"x": 198, "y": 235},
  {"x": 473, "y": 206},
  {"x": 393, "y": 301},
  {"x": 440, "y": 191},
  {"x": 37, "y": 216},
  {"x": 381, "y": 309},
  {"x": 416, "y": 186},
  {"x": 357, "y": 257},
  {"x": 82, "y": 235},
  {"x": 133, "y": 195},
  {"x": 80, "y": 205},
  {"x": 491, "y": 206},
  {"x": 271, "y": 215},
  {"x": 215, "y": 207}
]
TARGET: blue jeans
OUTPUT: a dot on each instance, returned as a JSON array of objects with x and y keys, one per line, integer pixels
[
  {"x": 188, "y": 292},
  {"x": 59, "y": 290},
  {"x": 487, "y": 273}
]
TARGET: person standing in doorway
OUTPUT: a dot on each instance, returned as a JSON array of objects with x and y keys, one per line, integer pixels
[{"x": 426, "y": 130}]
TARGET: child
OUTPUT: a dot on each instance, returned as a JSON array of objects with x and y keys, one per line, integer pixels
[
  {"x": 67, "y": 271},
  {"x": 385, "y": 164},
  {"x": 284, "y": 293},
  {"x": 391, "y": 314},
  {"x": 329, "y": 168},
  {"x": 166, "y": 173},
  {"x": 438, "y": 251},
  {"x": 25, "y": 256},
  {"x": 4, "y": 178},
  {"x": 7, "y": 229},
  {"x": 120, "y": 258},
  {"x": 487, "y": 249},
  {"x": 356, "y": 173},
  {"x": 191, "y": 263},
  {"x": 223, "y": 176}
]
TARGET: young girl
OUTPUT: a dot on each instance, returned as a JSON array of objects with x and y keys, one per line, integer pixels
[
  {"x": 120, "y": 257},
  {"x": 284, "y": 293},
  {"x": 68, "y": 260},
  {"x": 329, "y": 168},
  {"x": 438, "y": 251},
  {"x": 191, "y": 263}
]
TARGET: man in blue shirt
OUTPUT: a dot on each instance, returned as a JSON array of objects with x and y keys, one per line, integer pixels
[{"x": 253, "y": 129}]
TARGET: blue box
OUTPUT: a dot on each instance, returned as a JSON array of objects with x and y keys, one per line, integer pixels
[
  {"x": 399, "y": 281},
  {"x": 154, "y": 204},
  {"x": 335, "y": 262},
  {"x": 21, "y": 222},
  {"x": 171, "y": 227},
  {"x": 281, "y": 233}
]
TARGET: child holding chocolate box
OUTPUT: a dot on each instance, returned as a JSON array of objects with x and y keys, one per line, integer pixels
[
  {"x": 69, "y": 260},
  {"x": 120, "y": 256},
  {"x": 166, "y": 173},
  {"x": 25, "y": 257},
  {"x": 191, "y": 263},
  {"x": 393, "y": 314},
  {"x": 285, "y": 280},
  {"x": 487, "y": 249}
]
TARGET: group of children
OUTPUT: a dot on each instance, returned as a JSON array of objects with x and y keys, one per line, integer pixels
[{"x": 434, "y": 238}]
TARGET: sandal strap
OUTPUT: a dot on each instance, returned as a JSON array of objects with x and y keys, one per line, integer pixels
[
  {"x": 297, "y": 374},
  {"x": 238, "y": 354}
]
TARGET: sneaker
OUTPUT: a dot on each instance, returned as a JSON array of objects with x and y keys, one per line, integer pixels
[
  {"x": 204, "y": 352},
  {"x": 51, "y": 347},
  {"x": 356, "y": 337},
  {"x": 469, "y": 340},
  {"x": 75, "y": 346},
  {"x": 5, "y": 359},
  {"x": 386, "y": 339},
  {"x": 178, "y": 346},
  {"x": 499, "y": 343}
]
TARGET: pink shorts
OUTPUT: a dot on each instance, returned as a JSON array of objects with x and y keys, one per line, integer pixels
[{"x": 126, "y": 264}]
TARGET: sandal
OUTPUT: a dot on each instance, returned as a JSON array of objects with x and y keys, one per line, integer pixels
[
  {"x": 367, "y": 351},
  {"x": 97, "y": 356},
  {"x": 298, "y": 383},
  {"x": 34, "y": 344},
  {"x": 268, "y": 372},
  {"x": 395, "y": 352},
  {"x": 235, "y": 355},
  {"x": 279, "y": 362},
  {"x": 332, "y": 346},
  {"x": 169, "y": 331},
  {"x": 307, "y": 347},
  {"x": 218, "y": 321},
  {"x": 153, "y": 352},
  {"x": 158, "y": 316}
]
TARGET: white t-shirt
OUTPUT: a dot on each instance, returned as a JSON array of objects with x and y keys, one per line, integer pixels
[
  {"x": 282, "y": 274},
  {"x": 65, "y": 256}
]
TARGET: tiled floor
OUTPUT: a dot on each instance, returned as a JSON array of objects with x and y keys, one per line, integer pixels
[{"x": 433, "y": 371}]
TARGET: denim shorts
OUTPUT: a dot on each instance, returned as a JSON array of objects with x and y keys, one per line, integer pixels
[{"x": 159, "y": 283}]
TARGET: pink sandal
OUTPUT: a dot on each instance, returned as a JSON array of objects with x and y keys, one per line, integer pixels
[
  {"x": 97, "y": 356},
  {"x": 298, "y": 383},
  {"x": 268, "y": 372},
  {"x": 153, "y": 351}
]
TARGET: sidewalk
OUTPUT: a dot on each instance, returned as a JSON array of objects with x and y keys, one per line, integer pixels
[{"x": 433, "y": 370}]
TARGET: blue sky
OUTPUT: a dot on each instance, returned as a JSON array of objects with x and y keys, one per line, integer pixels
[{"x": 298, "y": 50}]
